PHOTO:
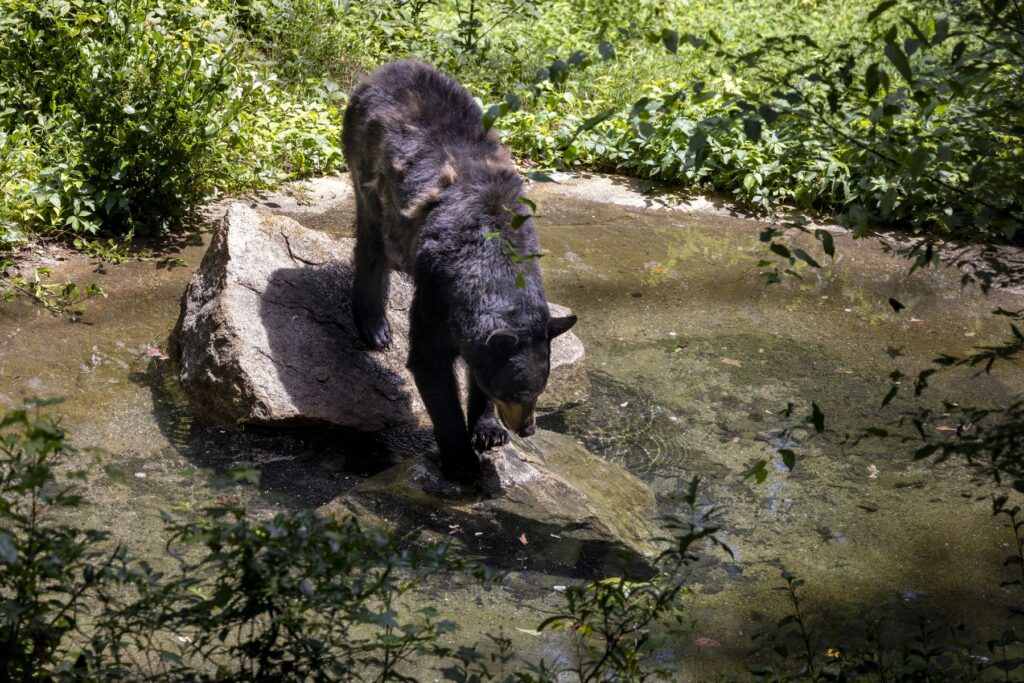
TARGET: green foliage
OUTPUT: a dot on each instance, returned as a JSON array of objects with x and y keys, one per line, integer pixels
[
  {"x": 989, "y": 439},
  {"x": 54, "y": 576},
  {"x": 871, "y": 649},
  {"x": 290, "y": 598},
  {"x": 56, "y": 298},
  {"x": 293, "y": 597},
  {"x": 143, "y": 93},
  {"x": 124, "y": 116},
  {"x": 617, "y": 625}
]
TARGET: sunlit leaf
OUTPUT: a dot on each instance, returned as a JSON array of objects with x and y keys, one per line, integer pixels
[
  {"x": 670, "y": 39},
  {"x": 880, "y": 9},
  {"x": 758, "y": 471}
]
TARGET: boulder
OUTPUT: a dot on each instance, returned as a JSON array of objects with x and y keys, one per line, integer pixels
[
  {"x": 549, "y": 505},
  {"x": 265, "y": 335}
]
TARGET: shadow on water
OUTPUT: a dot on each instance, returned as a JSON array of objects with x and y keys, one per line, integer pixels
[{"x": 300, "y": 468}]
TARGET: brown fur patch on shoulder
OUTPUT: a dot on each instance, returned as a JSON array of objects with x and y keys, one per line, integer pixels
[
  {"x": 446, "y": 178},
  {"x": 421, "y": 202},
  {"x": 449, "y": 173}
]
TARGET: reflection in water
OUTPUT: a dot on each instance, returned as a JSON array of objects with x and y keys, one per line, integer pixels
[{"x": 628, "y": 427}]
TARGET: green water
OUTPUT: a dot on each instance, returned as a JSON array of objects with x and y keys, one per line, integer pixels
[{"x": 693, "y": 359}]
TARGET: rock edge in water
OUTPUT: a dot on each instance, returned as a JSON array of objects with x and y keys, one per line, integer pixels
[
  {"x": 577, "y": 513},
  {"x": 265, "y": 335}
]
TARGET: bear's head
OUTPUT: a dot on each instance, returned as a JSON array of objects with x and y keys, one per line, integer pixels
[{"x": 511, "y": 368}]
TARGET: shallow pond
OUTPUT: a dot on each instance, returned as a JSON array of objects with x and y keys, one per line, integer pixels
[{"x": 693, "y": 359}]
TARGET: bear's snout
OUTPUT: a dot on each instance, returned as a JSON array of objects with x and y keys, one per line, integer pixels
[{"x": 518, "y": 417}]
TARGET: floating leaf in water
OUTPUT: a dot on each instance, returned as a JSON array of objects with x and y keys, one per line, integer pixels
[
  {"x": 156, "y": 352},
  {"x": 817, "y": 418},
  {"x": 757, "y": 471},
  {"x": 704, "y": 641},
  {"x": 788, "y": 458}
]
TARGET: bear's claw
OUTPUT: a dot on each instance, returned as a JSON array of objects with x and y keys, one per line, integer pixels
[
  {"x": 376, "y": 334},
  {"x": 489, "y": 434}
]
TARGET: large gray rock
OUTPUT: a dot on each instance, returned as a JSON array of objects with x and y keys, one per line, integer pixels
[
  {"x": 549, "y": 505},
  {"x": 265, "y": 335}
]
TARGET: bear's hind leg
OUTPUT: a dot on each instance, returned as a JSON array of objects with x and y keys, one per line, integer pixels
[
  {"x": 486, "y": 431},
  {"x": 370, "y": 282}
]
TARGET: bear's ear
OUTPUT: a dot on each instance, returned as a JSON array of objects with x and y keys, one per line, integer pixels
[
  {"x": 502, "y": 341},
  {"x": 559, "y": 326}
]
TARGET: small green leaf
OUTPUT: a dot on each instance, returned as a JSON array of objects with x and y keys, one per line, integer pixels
[
  {"x": 520, "y": 280},
  {"x": 492, "y": 114},
  {"x": 817, "y": 418},
  {"x": 880, "y": 9},
  {"x": 871, "y": 80},
  {"x": 806, "y": 258},
  {"x": 595, "y": 120},
  {"x": 115, "y": 474},
  {"x": 528, "y": 203},
  {"x": 752, "y": 129},
  {"x": 539, "y": 177},
  {"x": 769, "y": 115},
  {"x": 827, "y": 244},
  {"x": 941, "y": 29},
  {"x": 670, "y": 39},
  {"x": 757, "y": 471},
  {"x": 899, "y": 59},
  {"x": 788, "y": 458}
]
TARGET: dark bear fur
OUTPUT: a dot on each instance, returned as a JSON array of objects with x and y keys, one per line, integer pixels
[{"x": 430, "y": 185}]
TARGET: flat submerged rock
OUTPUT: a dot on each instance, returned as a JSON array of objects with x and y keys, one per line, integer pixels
[
  {"x": 549, "y": 505},
  {"x": 265, "y": 335}
]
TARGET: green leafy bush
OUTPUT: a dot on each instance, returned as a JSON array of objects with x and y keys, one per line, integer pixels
[
  {"x": 141, "y": 91},
  {"x": 294, "y": 597},
  {"x": 124, "y": 116},
  {"x": 54, "y": 576}
]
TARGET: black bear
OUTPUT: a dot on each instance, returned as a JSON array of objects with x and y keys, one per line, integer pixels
[{"x": 437, "y": 197}]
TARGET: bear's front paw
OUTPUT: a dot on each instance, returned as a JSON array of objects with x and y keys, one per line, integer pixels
[
  {"x": 488, "y": 434},
  {"x": 375, "y": 332},
  {"x": 465, "y": 471}
]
